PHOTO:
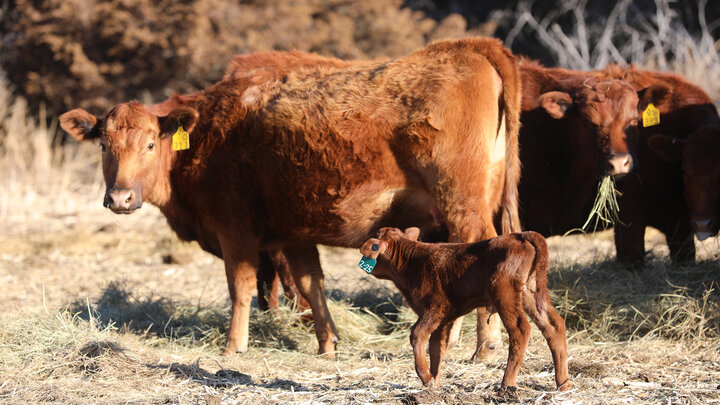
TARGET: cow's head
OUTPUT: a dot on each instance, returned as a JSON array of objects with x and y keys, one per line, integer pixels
[
  {"x": 136, "y": 150},
  {"x": 375, "y": 248},
  {"x": 700, "y": 157},
  {"x": 603, "y": 115}
]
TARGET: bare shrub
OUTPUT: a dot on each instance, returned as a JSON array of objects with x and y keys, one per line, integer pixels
[{"x": 93, "y": 54}]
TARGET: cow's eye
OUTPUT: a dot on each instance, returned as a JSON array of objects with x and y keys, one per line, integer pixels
[{"x": 151, "y": 146}]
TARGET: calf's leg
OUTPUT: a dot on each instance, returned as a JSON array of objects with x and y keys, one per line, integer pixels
[
  {"x": 509, "y": 307},
  {"x": 304, "y": 262},
  {"x": 552, "y": 327},
  {"x": 240, "y": 269},
  {"x": 419, "y": 334},
  {"x": 438, "y": 346}
]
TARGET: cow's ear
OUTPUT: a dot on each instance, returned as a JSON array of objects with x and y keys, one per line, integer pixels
[
  {"x": 82, "y": 125},
  {"x": 656, "y": 93},
  {"x": 667, "y": 147},
  {"x": 555, "y": 103},
  {"x": 412, "y": 233},
  {"x": 185, "y": 116}
]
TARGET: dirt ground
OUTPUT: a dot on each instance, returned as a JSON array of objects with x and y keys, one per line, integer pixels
[{"x": 59, "y": 265}]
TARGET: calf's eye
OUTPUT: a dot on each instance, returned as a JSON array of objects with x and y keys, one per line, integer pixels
[
  {"x": 151, "y": 146},
  {"x": 103, "y": 147}
]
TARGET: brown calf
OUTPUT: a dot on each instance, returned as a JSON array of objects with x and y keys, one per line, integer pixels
[
  {"x": 441, "y": 282},
  {"x": 322, "y": 156}
]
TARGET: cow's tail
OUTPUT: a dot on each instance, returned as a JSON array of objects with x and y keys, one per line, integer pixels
[
  {"x": 539, "y": 269},
  {"x": 505, "y": 63}
]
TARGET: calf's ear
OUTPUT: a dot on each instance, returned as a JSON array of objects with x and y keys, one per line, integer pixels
[
  {"x": 412, "y": 233},
  {"x": 667, "y": 147},
  {"x": 80, "y": 124},
  {"x": 373, "y": 248},
  {"x": 656, "y": 93},
  {"x": 555, "y": 103},
  {"x": 185, "y": 116}
]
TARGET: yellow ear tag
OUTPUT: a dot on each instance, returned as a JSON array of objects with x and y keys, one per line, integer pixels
[
  {"x": 181, "y": 139},
  {"x": 651, "y": 116}
]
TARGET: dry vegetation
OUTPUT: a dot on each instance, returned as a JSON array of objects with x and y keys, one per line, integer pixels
[
  {"x": 100, "y": 308},
  {"x": 105, "y": 309}
]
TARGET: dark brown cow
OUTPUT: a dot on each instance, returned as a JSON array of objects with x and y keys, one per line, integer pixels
[
  {"x": 680, "y": 156},
  {"x": 441, "y": 282},
  {"x": 321, "y": 156}
]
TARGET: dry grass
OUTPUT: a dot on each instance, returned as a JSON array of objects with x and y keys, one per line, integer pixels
[{"x": 92, "y": 313}]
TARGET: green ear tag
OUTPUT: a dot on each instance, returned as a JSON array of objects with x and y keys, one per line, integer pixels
[
  {"x": 367, "y": 264},
  {"x": 651, "y": 116},
  {"x": 181, "y": 139}
]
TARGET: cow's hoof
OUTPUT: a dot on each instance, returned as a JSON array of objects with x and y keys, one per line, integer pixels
[
  {"x": 328, "y": 347},
  {"x": 486, "y": 352},
  {"x": 509, "y": 391},
  {"x": 566, "y": 386}
]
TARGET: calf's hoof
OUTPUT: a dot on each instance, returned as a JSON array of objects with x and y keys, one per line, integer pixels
[
  {"x": 566, "y": 386},
  {"x": 230, "y": 350},
  {"x": 486, "y": 351}
]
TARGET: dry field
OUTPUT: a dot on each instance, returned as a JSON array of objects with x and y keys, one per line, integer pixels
[{"x": 101, "y": 308}]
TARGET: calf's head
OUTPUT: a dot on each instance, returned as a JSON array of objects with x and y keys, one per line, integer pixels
[
  {"x": 383, "y": 247},
  {"x": 700, "y": 158},
  {"x": 603, "y": 118},
  {"x": 136, "y": 150}
]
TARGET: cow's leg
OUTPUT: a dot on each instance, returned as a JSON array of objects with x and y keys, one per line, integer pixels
[
  {"x": 489, "y": 336},
  {"x": 419, "y": 335},
  {"x": 510, "y": 308},
  {"x": 304, "y": 262},
  {"x": 268, "y": 282},
  {"x": 630, "y": 231},
  {"x": 438, "y": 346},
  {"x": 282, "y": 267},
  {"x": 241, "y": 262},
  {"x": 681, "y": 241},
  {"x": 552, "y": 326}
]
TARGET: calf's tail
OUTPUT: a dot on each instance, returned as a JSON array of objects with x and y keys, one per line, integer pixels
[{"x": 540, "y": 266}]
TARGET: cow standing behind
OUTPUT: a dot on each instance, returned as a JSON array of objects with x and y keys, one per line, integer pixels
[
  {"x": 321, "y": 156},
  {"x": 441, "y": 282},
  {"x": 677, "y": 187}
]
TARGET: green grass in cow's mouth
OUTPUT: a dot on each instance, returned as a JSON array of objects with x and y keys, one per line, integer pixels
[{"x": 605, "y": 210}]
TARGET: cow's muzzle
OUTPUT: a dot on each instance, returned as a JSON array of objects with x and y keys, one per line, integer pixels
[
  {"x": 703, "y": 227},
  {"x": 620, "y": 163},
  {"x": 122, "y": 200}
]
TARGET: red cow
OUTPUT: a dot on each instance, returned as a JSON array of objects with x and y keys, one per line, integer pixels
[
  {"x": 441, "y": 282},
  {"x": 679, "y": 156},
  {"x": 321, "y": 156}
]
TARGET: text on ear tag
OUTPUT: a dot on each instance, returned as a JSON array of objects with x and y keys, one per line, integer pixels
[
  {"x": 651, "y": 116},
  {"x": 181, "y": 139},
  {"x": 367, "y": 264}
]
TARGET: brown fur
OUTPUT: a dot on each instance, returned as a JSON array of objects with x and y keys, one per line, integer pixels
[
  {"x": 679, "y": 156},
  {"x": 441, "y": 282},
  {"x": 319, "y": 156}
]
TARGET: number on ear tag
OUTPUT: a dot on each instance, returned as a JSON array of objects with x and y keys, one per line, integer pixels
[
  {"x": 651, "y": 116},
  {"x": 181, "y": 139},
  {"x": 367, "y": 264}
]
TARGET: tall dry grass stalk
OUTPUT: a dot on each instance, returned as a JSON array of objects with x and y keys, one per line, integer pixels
[
  {"x": 36, "y": 177},
  {"x": 627, "y": 35}
]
